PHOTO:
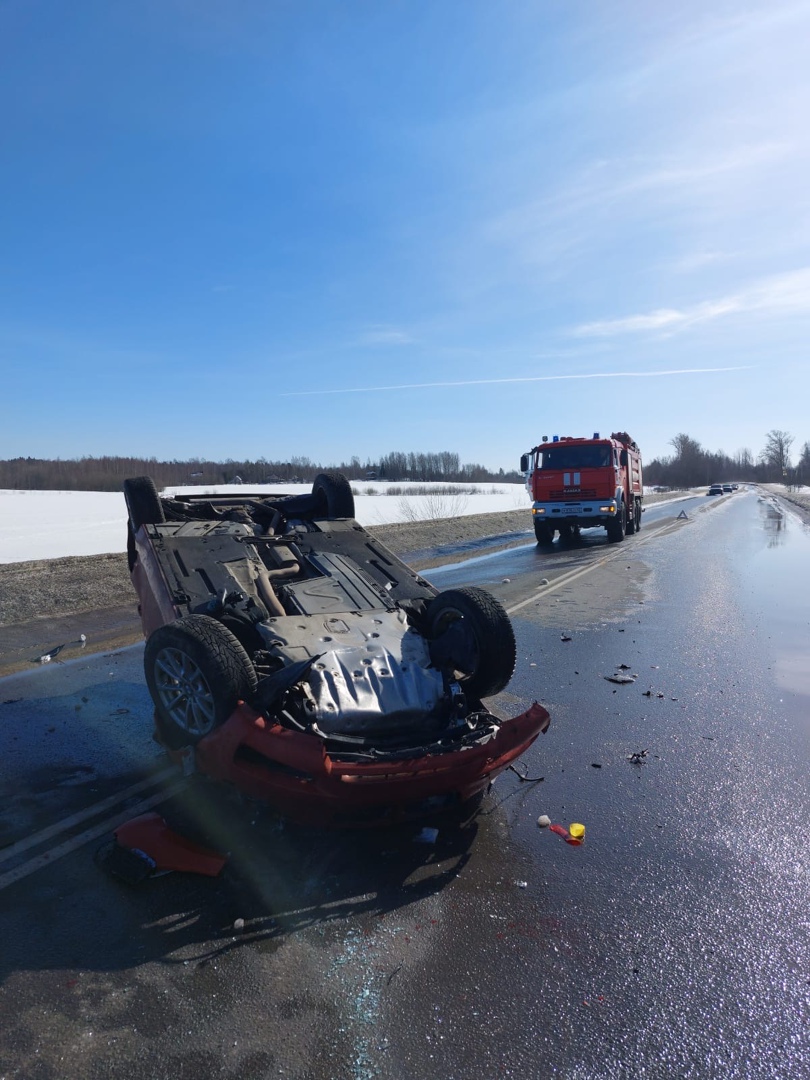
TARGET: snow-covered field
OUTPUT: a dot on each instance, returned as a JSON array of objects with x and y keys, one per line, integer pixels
[{"x": 52, "y": 524}]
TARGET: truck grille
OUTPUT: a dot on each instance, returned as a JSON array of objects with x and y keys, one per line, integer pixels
[{"x": 573, "y": 496}]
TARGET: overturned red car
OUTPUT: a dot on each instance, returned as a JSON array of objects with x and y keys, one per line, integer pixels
[{"x": 300, "y": 660}]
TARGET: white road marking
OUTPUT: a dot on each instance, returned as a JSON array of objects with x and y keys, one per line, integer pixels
[
  {"x": 83, "y": 815},
  {"x": 106, "y": 826}
]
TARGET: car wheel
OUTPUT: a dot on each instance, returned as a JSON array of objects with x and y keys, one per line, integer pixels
[
  {"x": 479, "y": 641},
  {"x": 143, "y": 502},
  {"x": 616, "y": 527},
  {"x": 143, "y": 508},
  {"x": 333, "y": 494},
  {"x": 543, "y": 532},
  {"x": 196, "y": 671}
]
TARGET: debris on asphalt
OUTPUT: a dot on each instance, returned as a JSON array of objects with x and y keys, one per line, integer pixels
[
  {"x": 637, "y": 757},
  {"x": 618, "y": 677},
  {"x": 522, "y": 884},
  {"x": 595, "y": 765},
  {"x": 574, "y": 834},
  {"x": 130, "y": 865},
  {"x": 426, "y": 836},
  {"x": 239, "y": 924},
  {"x": 523, "y": 777},
  {"x": 146, "y": 847},
  {"x": 51, "y": 654},
  {"x": 565, "y": 637},
  {"x": 544, "y": 821}
]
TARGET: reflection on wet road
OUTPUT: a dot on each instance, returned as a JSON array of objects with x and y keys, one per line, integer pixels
[
  {"x": 561, "y": 557},
  {"x": 776, "y": 577}
]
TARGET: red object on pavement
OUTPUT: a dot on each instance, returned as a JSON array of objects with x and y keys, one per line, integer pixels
[
  {"x": 150, "y": 834},
  {"x": 561, "y": 830}
]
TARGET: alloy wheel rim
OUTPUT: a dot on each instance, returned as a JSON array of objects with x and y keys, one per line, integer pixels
[{"x": 184, "y": 691}]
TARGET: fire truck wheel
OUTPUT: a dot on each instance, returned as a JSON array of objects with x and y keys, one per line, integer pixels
[
  {"x": 473, "y": 636},
  {"x": 638, "y": 515},
  {"x": 616, "y": 527},
  {"x": 334, "y": 495},
  {"x": 543, "y": 532},
  {"x": 196, "y": 671},
  {"x": 631, "y": 519}
]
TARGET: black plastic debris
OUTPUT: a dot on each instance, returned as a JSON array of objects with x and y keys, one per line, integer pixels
[{"x": 127, "y": 864}]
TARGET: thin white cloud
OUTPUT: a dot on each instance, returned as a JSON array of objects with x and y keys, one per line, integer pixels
[
  {"x": 384, "y": 335},
  {"x": 690, "y": 178},
  {"x": 698, "y": 259},
  {"x": 518, "y": 379},
  {"x": 784, "y": 294}
]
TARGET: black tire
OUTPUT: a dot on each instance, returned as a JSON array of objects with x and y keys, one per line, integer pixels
[
  {"x": 143, "y": 502},
  {"x": 637, "y": 514},
  {"x": 487, "y": 643},
  {"x": 143, "y": 508},
  {"x": 616, "y": 527},
  {"x": 333, "y": 494},
  {"x": 544, "y": 534},
  {"x": 196, "y": 671},
  {"x": 631, "y": 519}
]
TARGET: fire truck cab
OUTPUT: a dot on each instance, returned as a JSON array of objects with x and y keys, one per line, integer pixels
[{"x": 578, "y": 483}]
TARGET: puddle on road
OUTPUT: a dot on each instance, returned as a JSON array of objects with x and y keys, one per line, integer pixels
[{"x": 777, "y": 572}]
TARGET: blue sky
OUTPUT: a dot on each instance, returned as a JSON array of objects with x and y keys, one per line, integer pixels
[{"x": 321, "y": 229}]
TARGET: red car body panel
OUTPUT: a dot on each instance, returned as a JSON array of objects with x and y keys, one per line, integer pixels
[
  {"x": 154, "y": 594},
  {"x": 293, "y": 772}
]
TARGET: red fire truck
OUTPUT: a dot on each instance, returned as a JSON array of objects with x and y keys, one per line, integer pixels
[{"x": 578, "y": 483}]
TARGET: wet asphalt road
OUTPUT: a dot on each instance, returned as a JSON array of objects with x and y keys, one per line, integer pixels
[{"x": 672, "y": 943}]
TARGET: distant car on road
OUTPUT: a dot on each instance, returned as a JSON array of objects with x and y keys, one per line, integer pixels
[
  {"x": 728, "y": 489},
  {"x": 715, "y": 489}
]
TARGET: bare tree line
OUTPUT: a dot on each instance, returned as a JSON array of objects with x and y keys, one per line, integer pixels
[
  {"x": 108, "y": 473},
  {"x": 692, "y": 466},
  {"x": 689, "y": 466}
]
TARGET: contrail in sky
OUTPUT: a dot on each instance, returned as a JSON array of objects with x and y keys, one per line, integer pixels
[{"x": 521, "y": 379}]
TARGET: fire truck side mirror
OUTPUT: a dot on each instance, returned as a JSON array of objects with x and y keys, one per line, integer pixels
[
  {"x": 623, "y": 457},
  {"x": 524, "y": 463}
]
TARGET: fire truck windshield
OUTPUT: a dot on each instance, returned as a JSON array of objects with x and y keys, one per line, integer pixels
[{"x": 564, "y": 456}]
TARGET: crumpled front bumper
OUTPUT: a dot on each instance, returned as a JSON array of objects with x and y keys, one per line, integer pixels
[{"x": 293, "y": 772}]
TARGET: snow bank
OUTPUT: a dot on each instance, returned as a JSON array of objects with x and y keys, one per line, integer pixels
[{"x": 53, "y": 524}]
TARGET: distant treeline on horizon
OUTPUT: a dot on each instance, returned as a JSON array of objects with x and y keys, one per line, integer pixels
[
  {"x": 109, "y": 473},
  {"x": 690, "y": 466}
]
